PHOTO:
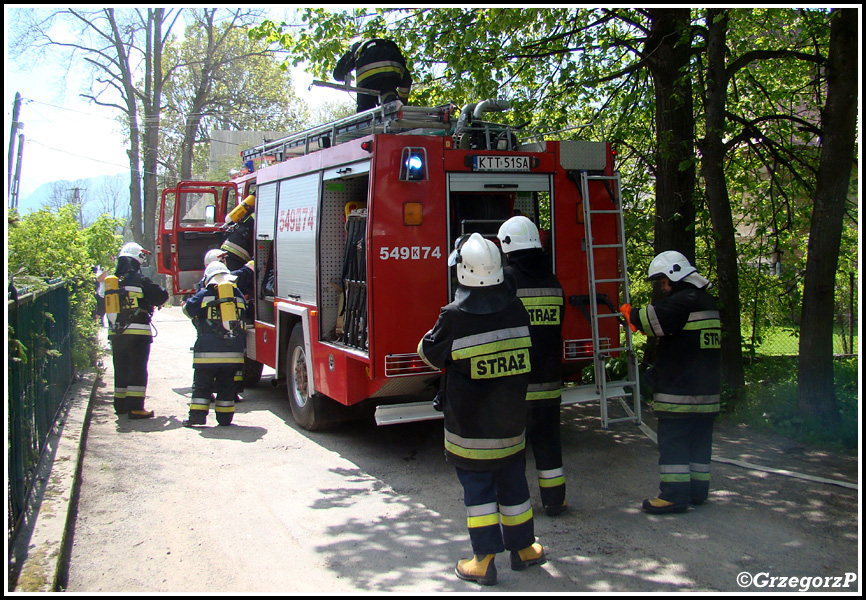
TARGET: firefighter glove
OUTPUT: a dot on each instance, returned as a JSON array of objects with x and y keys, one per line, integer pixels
[{"x": 625, "y": 309}]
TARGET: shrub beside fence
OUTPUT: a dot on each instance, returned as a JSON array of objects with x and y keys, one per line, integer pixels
[{"x": 39, "y": 373}]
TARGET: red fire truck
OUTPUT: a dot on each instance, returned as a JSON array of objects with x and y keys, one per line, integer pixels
[{"x": 354, "y": 222}]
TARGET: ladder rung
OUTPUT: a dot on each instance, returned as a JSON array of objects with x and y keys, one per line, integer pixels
[
  {"x": 605, "y": 212},
  {"x": 609, "y": 350},
  {"x": 607, "y": 245},
  {"x": 620, "y": 279}
]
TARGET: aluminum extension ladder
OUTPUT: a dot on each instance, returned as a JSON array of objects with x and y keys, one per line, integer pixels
[{"x": 602, "y": 389}]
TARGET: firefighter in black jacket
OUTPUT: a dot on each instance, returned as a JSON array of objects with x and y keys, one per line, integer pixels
[
  {"x": 379, "y": 65},
  {"x": 686, "y": 379},
  {"x": 482, "y": 341},
  {"x": 542, "y": 295},
  {"x": 129, "y": 330},
  {"x": 217, "y": 311}
]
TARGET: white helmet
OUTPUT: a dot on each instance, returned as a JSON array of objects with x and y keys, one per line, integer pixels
[
  {"x": 672, "y": 265},
  {"x": 518, "y": 233},
  {"x": 479, "y": 262},
  {"x": 134, "y": 251},
  {"x": 212, "y": 255},
  {"x": 217, "y": 272}
]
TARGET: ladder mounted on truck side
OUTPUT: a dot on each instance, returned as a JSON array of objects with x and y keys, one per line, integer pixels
[
  {"x": 393, "y": 117},
  {"x": 602, "y": 389}
]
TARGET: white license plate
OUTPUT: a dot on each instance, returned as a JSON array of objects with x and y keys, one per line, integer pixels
[{"x": 501, "y": 163}]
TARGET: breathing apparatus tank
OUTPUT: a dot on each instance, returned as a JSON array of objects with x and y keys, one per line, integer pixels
[
  {"x": 218, "y": 273},
  {"x": 242, "y": 210},
  {"x": 112, "y": 298},
  {"x": 228, "y": 310}
]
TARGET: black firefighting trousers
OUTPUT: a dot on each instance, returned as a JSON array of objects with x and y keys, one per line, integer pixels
[
  {"x": 130, "y": 354},
  {"x": 685, "y": 452},
  {"x": 498, "y": 508}
]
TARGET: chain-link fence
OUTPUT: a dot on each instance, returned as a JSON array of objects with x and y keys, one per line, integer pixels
[{"x": 784, "y": 339}]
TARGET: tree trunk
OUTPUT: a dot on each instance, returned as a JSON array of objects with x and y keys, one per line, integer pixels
[
  {"x": 816, "y": 394},
  {"x": 713, "y": 171},
  {"x": 668, "y": 51},
  {"x": 152, "y": 110}
]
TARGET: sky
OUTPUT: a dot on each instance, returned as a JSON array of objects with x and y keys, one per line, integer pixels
[{"x": 67, "y": 137}]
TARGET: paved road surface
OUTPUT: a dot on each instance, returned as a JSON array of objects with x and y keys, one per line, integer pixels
[{"x": 265, "y": 507}]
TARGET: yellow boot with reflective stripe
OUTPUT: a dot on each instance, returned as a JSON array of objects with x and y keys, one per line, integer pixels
[
  {"x": 480, "y": 569},
  {"x": 657, "y": 506},
  {"x": 529, "y": 556}
]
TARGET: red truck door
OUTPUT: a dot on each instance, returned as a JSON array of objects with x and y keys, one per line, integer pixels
[{"x": 192, "y": 216}]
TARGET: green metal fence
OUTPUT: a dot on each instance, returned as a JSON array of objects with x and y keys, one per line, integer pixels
[{"x": 39, "y": 373}]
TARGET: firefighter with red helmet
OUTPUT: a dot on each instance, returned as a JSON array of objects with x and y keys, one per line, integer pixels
[
  {"x": 379, "y": 65},
  {"x": 542, "y": 295},
  {"x": 482, "y": 340},
  {"x": 135, "y": 297},
  {"x": 686, "y": 379},
  {"x": 217, "y": 311}
]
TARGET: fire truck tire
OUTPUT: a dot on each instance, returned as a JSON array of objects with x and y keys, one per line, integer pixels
[
  {"x": 252, "y": 372},
  {"x": 310, "y": 412}
]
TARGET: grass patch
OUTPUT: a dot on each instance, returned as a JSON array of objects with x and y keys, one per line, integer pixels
[
  {"x": 769, "y": 403},
  {"x": 785, "y": 341}
]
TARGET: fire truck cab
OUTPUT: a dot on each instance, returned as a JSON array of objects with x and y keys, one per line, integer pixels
[{"x": 354, "y": 222}]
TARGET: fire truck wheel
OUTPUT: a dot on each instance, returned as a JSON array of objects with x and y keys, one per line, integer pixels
[
  {"x": 308, "y": 411},
  {"x": 252, "y": 372}
]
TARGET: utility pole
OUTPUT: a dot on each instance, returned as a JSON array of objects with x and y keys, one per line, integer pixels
[
  {"x": 13, "y": 191},
  {"x": 16, "y": 107}
]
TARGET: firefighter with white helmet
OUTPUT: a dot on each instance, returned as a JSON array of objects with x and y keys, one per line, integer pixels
[
  {"x": 686, "y": 379},
  {"x": 542, "y": 295},
  {"x": 133, "y": 298},
  {"x": 217, "y": 311},
  {"x": 482, "y": 341}
]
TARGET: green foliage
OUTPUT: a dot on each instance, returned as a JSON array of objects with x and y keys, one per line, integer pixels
[
  {"x": 222, "y": 80},
  {"x": 769, "y": 403},
  {"x": 48, "y": 245},
  {"x": 581, "y": 73}
]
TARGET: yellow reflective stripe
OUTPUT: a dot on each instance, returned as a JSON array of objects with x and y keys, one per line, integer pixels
[
  {"x": 491, "y": 341},
  {"x": 675, "y": 403},
  {"x": 544, "y": 391},
  {"x": 377, "y": 68},
  {"x": 483, "y": 448},
  {"x": 235, "y": 249},
  {"x": 482, "y": 515},
  {"x": 537, "y": 297},
  {"x": 549, "y": 483},
  {"x": 483, "y": 521},
  {"x": 511, "y": 516},
  {"x": 225, "y": 359},
  {"x": 700, "y": 476},
  {"x": 684, "y": 408},
  {"x": 647, "y": 315},
  {"x": 697, "y": 325},
  {"x": 134, "y": 331},
  {"x": 224, "y": 409},
  {"x": 551, "y": 478},
  {"x": 193, "y": 406}
]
